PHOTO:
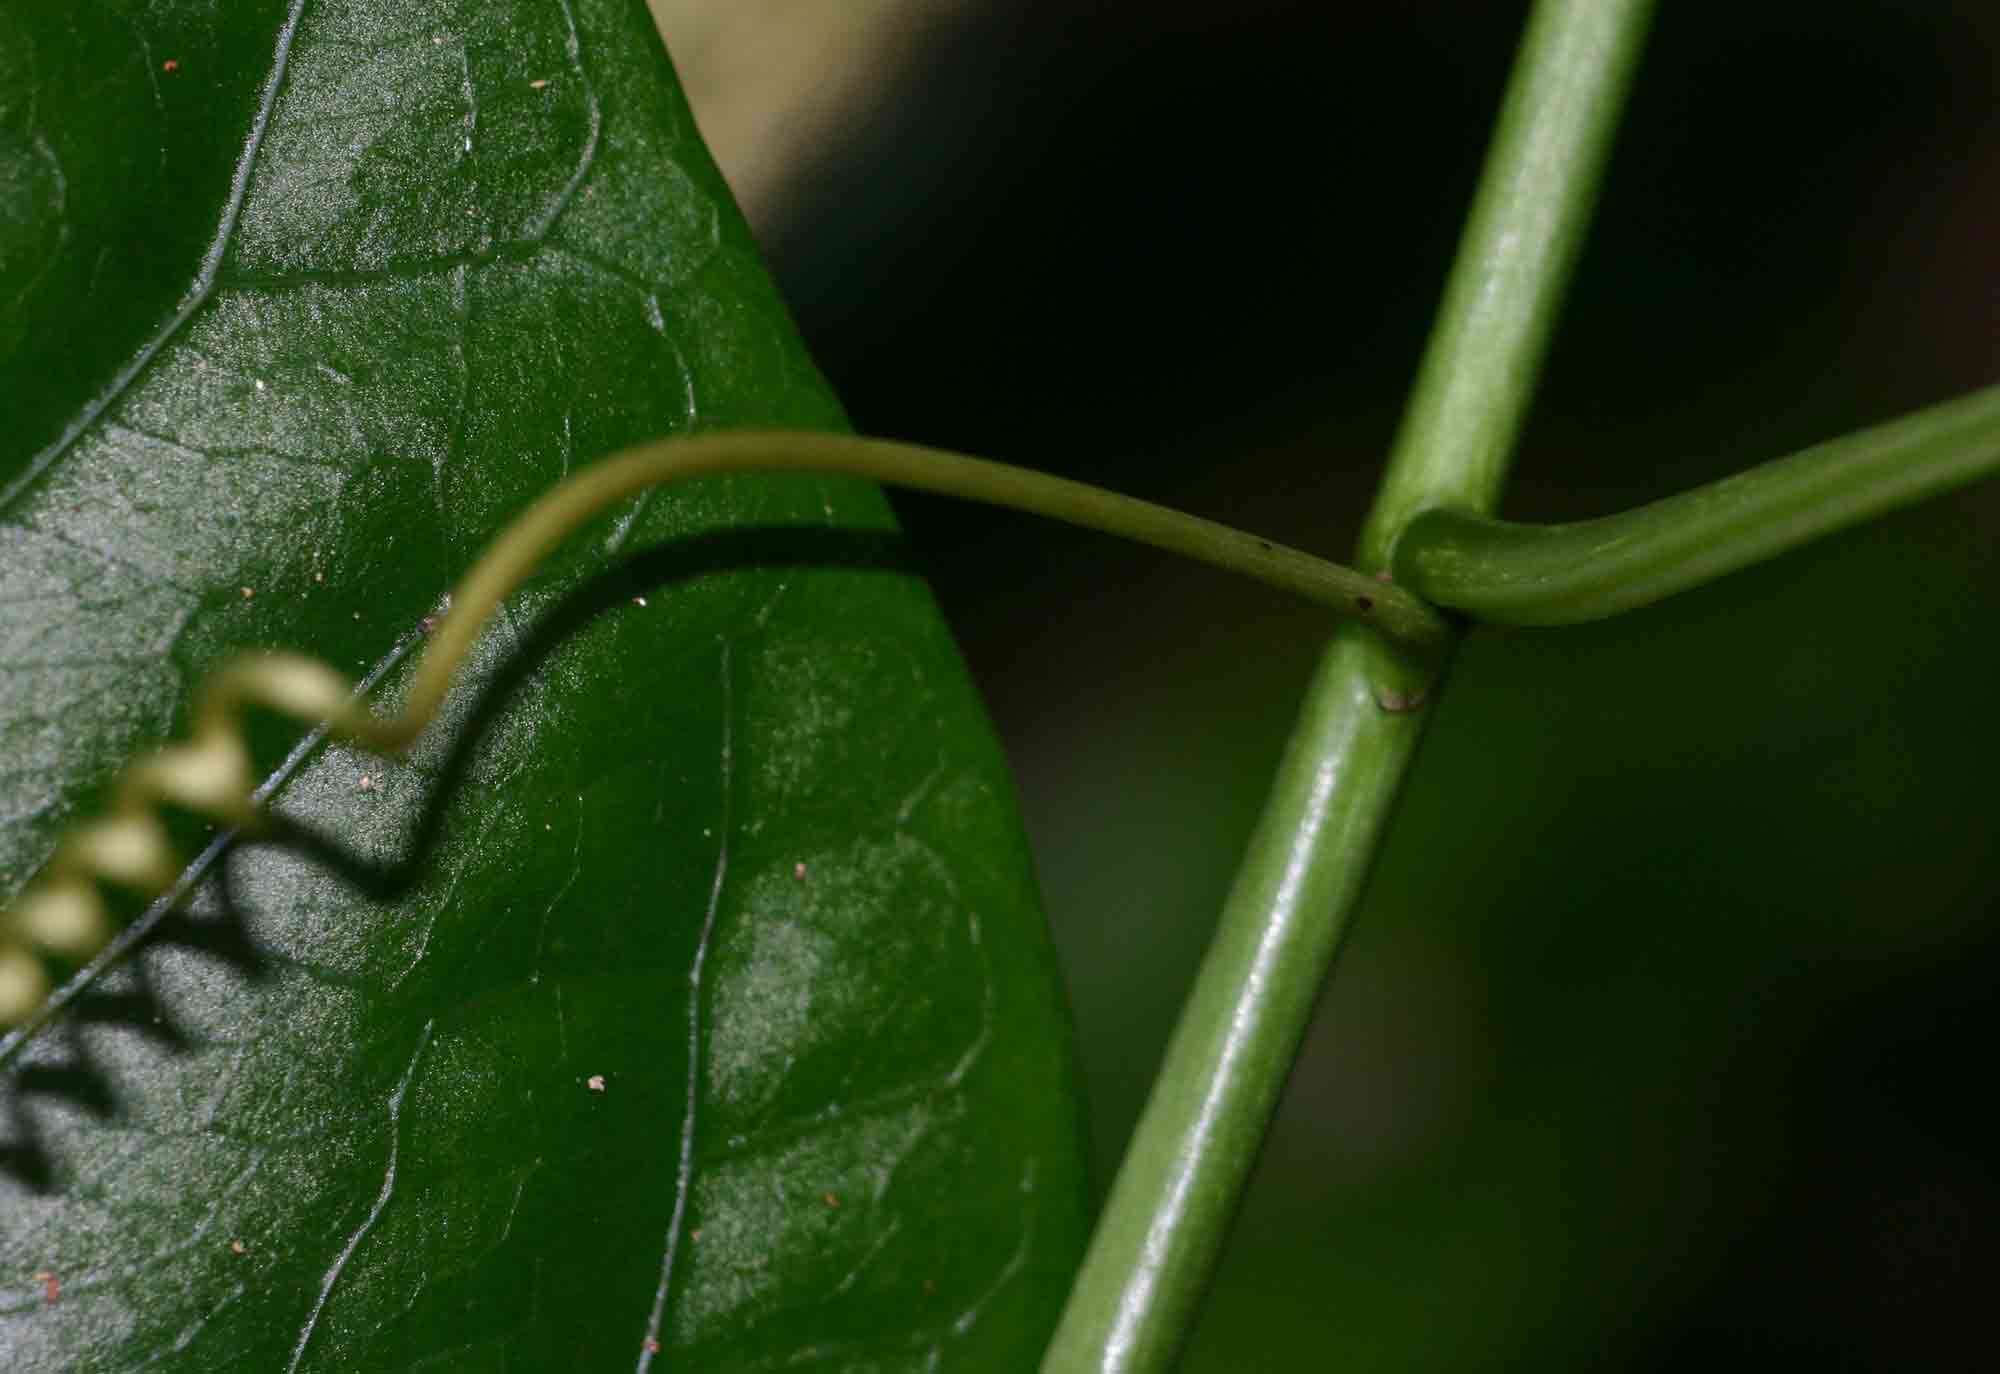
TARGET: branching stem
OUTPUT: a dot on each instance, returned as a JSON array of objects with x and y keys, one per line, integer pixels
[
  {"x": 1176, "y": 1192},
  {"x": 1561, "y": 574}
]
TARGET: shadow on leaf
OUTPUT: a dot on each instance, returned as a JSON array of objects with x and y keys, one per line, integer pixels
[{"x": 72, "y": 1076}]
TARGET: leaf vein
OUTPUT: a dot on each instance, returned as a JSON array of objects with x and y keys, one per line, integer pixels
[
  {"x": 684, "y": 1177},
  {"x": 204, "y": 282},
  {"x": 339, "y": 1265}
]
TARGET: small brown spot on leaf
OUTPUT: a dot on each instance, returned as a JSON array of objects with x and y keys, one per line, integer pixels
[
  {"x": 170, "y": 65},
  {"x": 1398, "y": 703},
  {"x": 1364, "y": 604},
  {"x": 829, "y": 1199}
]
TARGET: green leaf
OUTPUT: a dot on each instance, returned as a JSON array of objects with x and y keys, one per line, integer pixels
[{"x": 716, "y": 1009}]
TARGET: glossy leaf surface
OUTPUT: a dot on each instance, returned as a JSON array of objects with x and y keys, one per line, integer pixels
[{"x": 705, "y": 1020}]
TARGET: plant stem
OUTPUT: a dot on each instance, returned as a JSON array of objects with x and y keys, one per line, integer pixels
[
  {"x": 522, "y": 545},
  {"x": 1562, "y": 574},
  {"x": 1177, "y": 1190}
]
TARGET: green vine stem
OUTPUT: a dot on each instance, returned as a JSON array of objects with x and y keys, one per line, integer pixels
[
  {"x": 1561, "y": 574},
  {"x": 63, "y": 916},
  {"x": 1176, "y": 1192}
]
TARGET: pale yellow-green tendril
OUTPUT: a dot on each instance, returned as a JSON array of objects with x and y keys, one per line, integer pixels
[{"x": 64, "y": 913}]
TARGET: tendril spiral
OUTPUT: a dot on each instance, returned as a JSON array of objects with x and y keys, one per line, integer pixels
[{"x": 64, "y": 917}]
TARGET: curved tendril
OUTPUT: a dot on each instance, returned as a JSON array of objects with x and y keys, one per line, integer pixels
[{"x": 63, "y": 916}]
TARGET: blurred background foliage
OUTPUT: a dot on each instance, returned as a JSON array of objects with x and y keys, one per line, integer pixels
[{"x": 1665, "y": 1038}]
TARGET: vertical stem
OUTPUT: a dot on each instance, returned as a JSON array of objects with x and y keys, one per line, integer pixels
[
  {"x": 1177, "y": 1190},
  {"x": 1521, "y": 239}
]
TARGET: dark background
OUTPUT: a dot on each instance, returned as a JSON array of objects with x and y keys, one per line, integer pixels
[{"x": 1665, "y": 1038}]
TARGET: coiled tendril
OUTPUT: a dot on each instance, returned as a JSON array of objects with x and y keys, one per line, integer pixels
[{"x": 63, "y": 915}]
